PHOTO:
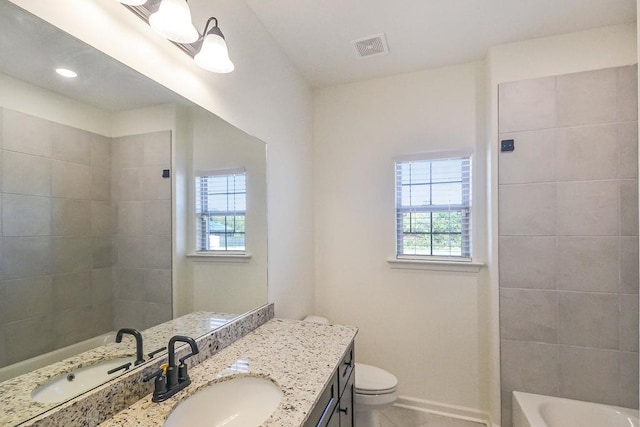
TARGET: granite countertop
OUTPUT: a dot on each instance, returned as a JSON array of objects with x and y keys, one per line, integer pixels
[
  {"x": 15, "y": 393},
  {"x": 299, "y": 357}
]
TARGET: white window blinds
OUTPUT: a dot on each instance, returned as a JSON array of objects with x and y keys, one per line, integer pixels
[
  {"x": 433, "y": 208},
  {"x": 221, "y": 204}
]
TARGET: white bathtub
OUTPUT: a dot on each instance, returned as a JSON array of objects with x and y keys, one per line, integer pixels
[
  {"x": 534, "y": 410},
  {"x": 54, "y": 356}
]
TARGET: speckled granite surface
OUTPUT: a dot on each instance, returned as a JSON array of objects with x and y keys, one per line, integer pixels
[
  {"x": 298, "y": 356},
  {"x": 15, "y": 394},
  {"x": 101, "y": 403}
]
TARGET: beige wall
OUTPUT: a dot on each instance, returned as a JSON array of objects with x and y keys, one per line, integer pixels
[{"x": 424, "y": 326}]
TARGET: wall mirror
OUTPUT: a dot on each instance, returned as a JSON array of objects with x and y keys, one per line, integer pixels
[{"x": 98, "y": 219}]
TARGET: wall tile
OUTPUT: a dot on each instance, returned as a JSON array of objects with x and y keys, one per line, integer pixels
[
  {"x": 629, "y": 323},
  {"x": 532, "y": 209},
  {"x": 3, "y": 348},
  {"x": 71, "y": 217},
  {"x": 629, "y": 265},
  {"x": 25, "y": 174},
  {"x": 588, "y": 208},
  {"x": 522, "y": 364},
  {"x": 101, "y": 215},
  {"x": 129, "y": 284},
  {"x": 25, "y": 215},
  {"x": 587, "y": 98},
  {"x": 154, "y": 185},
  {"x": 139, "y": 315},
  {"x": 529, "y": 315},
  {"x": 506, "y": 408},
  {"x": 72, "y": 291},
  {"x": 589, "y": 320},
  {"x": 130, "y": 252},
  {"x": 26, "y": 298},
  {"x": 157, "y": 217},
  {"x": 533, "y": 159},
  {"x": 588, "y": 263},
  {"x": 628, "y": 143},
  {"x": 72, "y": 326},
  {"x": 157, "y": 149},
  {"x": 25, "y": 134},
  {"x": 528, "y": 262},
  {"x": 102, "y": 252},
  {"x": 587, "y": 153},
  {"x": 70, "y": 180},
  {"x": 628, "y": 380},
  {"x": 130, "y": 186},
  {"x": 100, "y": 184},
  {"x": 157, "y": 286},
  {"x": 101, "y": 152},
  {"x": 26, "y": 257},
  {"x": 70, "y": 144},
  {"x": 131, "y": 217},
  {"x": 130, "y": 151},
  {"x": 72, "y": 254},
  {"x": 527, "y": 105},
  {"x": 28, "y": 338},
  {"x": 629, "y": 207},
  {"x": 101, "y": 286},
  {"x": 601, "y": 384},
  {"x": 158, "y": 253},
  {"x": 628, "y": 93}
]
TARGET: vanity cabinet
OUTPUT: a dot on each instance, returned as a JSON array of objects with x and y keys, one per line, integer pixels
[{"x": 335, "y": 408}]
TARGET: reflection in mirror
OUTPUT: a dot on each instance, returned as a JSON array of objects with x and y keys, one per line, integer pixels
[{"x": 88, "y": 202}]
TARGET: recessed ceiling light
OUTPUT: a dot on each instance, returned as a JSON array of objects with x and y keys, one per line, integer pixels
[{"x": 66, "y": 73}]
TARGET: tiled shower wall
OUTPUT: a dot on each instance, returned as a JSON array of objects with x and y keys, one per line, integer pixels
[
  {"x": 142, "y": 243},
  {"x": 55, "y": 269},
  {"x": 568, "y": 226}
]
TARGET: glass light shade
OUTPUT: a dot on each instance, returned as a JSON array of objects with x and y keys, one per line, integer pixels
[
  {"x": 133, "y": 2},
  {"x": 214, "y": 55},
  {"x": 173, "y": 21}
]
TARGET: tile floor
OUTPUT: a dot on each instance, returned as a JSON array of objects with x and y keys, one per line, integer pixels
[{"x": 400, "y": 417}]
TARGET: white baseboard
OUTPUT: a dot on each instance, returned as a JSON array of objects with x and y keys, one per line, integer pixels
[{"x": 452, "y": 411}]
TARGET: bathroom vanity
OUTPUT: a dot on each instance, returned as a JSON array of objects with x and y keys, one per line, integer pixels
[{"x": 311, "y": 364}]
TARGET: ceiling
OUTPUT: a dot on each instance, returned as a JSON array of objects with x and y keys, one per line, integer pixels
[{"x": 316, "y": 34}]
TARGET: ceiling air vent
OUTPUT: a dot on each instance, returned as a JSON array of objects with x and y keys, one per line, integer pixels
[{"x": 370, "y": 46}]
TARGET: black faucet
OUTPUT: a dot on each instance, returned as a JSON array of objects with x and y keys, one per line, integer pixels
[
  {"x": 138, "y": 336},
  {"x": 172, "y": 378}
]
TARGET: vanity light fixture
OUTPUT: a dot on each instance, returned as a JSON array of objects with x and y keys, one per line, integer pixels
[
  {"x": 214, "y": 55},
  {"x": 172, "y": 20},
  {"x": 65, "y": 72}
]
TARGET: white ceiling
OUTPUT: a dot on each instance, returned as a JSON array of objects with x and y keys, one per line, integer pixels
[{"x": 316, "y": 34}]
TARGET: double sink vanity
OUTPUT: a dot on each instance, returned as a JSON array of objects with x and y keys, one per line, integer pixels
[{"x": 254, "y": 370}]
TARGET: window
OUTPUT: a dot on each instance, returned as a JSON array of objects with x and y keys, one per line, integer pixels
[
  {"x": 433, "y": 208},
  {"x": 221, "y": 203}
]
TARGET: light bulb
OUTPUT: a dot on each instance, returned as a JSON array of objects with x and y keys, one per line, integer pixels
[
  {"x": 214, "y": 55},
  {"x": 173, "y": 21}
]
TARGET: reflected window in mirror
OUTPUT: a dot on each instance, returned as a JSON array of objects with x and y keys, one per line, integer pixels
[{"x": 221, "y": 203}]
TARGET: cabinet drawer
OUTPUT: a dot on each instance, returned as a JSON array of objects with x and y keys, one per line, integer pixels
[
  {"x": 321, "y": 413},
  {"x": 345, "y": 406},
  {"x": 346, "y": 368}
]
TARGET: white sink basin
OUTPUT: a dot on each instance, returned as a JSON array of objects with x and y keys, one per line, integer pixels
[
  {"x": 72, "y": 384},
  {"x": 240, "y": 402}
]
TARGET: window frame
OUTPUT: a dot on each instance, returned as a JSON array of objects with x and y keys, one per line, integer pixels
[
  {"x": 197, "y": 215},
  {"x": 402, "y": 260}
]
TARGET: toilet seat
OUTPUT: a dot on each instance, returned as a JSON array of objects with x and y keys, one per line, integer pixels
[{"x": 371, "y": 380}]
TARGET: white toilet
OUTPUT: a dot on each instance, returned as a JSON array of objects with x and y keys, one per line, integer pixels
[{"x": 375, "y": 388}]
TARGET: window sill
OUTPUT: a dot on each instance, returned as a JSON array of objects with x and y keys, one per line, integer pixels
[
  {"x": 435, "y": 265},
  {"x": 213, "y": 257}
]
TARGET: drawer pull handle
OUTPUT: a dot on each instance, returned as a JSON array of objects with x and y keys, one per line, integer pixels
[
  {"x": 349, "y": 363},
  {"x": 345, "y": 410}
]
